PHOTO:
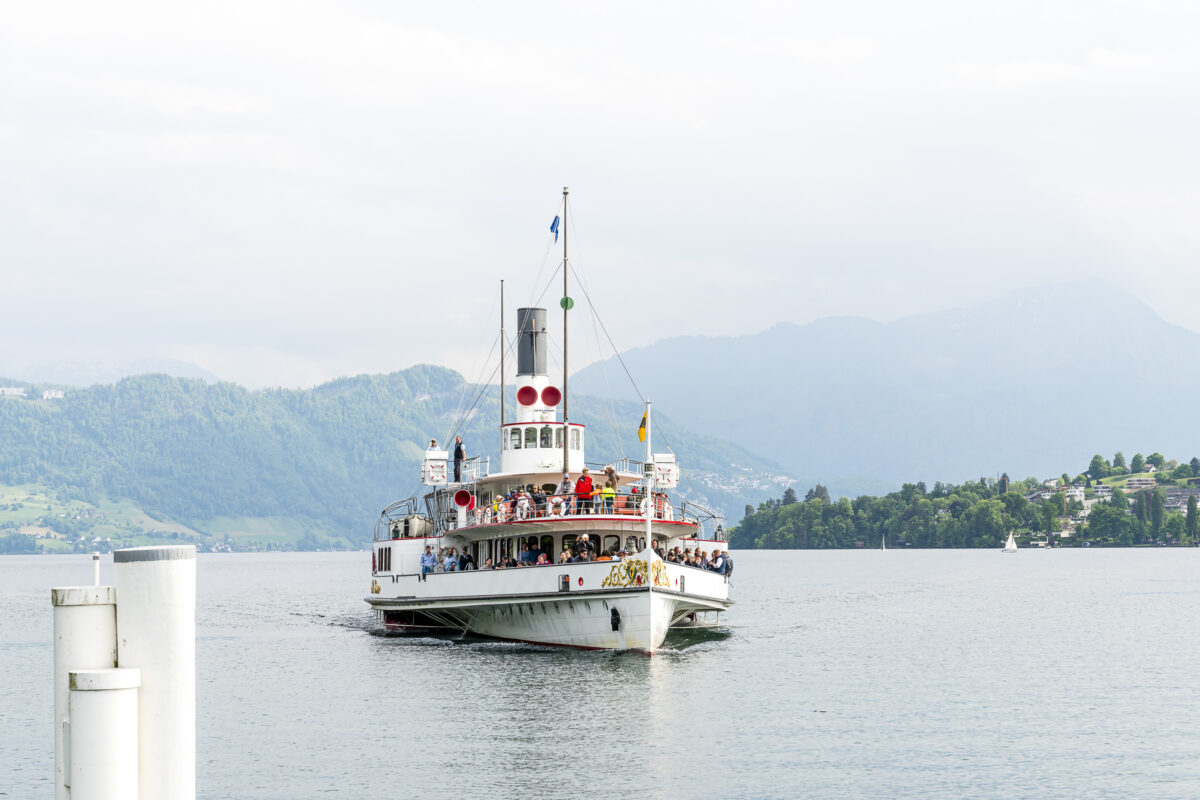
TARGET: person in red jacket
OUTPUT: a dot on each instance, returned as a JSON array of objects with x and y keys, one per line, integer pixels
[{"x": 583, "y": 492}]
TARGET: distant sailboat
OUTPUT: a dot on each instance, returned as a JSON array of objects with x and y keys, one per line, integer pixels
[{"x": 1011, "y": 545}]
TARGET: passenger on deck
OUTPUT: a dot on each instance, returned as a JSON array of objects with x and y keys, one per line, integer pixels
[
  {"x": 564, "y": 490},
  {"x": 585, "y": 547},
  {"x": 654, "y": 545},
  {"x": 465, "y": 561},
  {"x": 541, "y": 559},
  {"x": 539, "y": 501},
  {"x": 608, "y": 495},
  {"x": 529, "y": 554},
  {"x": 458, "y": 459},
  {"x": 522, "y": 504},
  {"x": 428, "y": 561},
  {"x": 717, "y": 564},
  {"x": 702, "y": 562},
  {"x": 564, "y": 557},
  {"x": 583, "y": 493},
  {"x": 450, "y": 563},
  {"x": 488, "y": 564},
  {"x": 432, "y": 445}
]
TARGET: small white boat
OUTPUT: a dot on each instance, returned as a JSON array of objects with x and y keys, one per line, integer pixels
[{"x": 1011, "y": 545}]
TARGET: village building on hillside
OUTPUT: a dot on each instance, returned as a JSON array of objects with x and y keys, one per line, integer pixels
[
  {"x": 12, "y": 391},
  {"x": 52, "y": 394}
]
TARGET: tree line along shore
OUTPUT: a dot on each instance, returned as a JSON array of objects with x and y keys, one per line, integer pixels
[{"x": 1149, "y": 501}]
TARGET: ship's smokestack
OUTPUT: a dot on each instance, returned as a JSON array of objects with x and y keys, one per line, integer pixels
[{"x": 531, "y": 344}]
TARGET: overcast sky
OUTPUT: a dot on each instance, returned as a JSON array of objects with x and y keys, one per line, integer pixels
[{"x": 282, "y": 193}]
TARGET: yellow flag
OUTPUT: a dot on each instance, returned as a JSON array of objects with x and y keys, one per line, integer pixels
[{"x": 642, "y": 429}]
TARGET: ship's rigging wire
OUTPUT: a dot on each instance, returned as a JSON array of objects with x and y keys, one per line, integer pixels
[
  {"x": 481, "y": 386},
  {"x": 612, "y": 407},
  {"x": 482, "y": 367}
]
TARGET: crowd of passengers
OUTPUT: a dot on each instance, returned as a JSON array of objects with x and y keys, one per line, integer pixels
[
  {"x": 583, "y": 496},
  {"x": 451, "y": 559}
]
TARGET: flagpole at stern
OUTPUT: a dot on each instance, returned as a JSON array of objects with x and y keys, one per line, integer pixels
[{"x": 649, "y": 477}]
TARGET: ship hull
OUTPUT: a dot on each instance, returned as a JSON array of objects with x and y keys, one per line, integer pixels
[{"x": 607, "y": 617}]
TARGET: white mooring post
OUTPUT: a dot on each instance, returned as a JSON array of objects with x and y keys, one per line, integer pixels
[
  {"x": 125, "y": 706},
  {"x": 103, "y": 741},
  {"x": 85, "y": 637},
  {"x": 156, "y": 626}
]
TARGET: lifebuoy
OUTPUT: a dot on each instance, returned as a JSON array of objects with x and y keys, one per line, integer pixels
[{"x": 557, "y": 506}]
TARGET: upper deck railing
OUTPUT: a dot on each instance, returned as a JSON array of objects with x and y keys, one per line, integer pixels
[{"x": 402, "y": 520}]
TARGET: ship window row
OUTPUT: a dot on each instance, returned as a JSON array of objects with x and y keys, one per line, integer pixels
[
  {"x": 513, "y": 546},
  {"x": 546, "y": 437}
]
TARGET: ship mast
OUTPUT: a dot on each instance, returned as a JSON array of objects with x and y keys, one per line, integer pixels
[
  {"x": 502, "y": 364},
  {"x": 566, "y": 305}
]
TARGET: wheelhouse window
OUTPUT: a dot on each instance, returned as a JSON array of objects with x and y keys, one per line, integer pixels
[
  {"x": 575, "y": 438},
  {"x": 547, "y": 437},
  {"x": 515, "y": 436},
  {"x": 611, "y": 544},
  {"x": 558, "y": 438},
  {"x": 531, "y": 437}
]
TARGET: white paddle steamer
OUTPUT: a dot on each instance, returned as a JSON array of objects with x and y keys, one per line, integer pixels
[{"x": 628, "y": 603}]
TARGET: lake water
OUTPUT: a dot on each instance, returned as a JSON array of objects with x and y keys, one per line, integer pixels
[{"x": 905, "y": 674}]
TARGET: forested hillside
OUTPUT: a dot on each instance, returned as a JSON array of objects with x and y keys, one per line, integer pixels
[
  {"x": 1100, "y": 507},
  {"x": 334, "y": 455}
]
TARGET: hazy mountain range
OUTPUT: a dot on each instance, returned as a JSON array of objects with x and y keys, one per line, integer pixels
[{"x": 1030, "y": 384}]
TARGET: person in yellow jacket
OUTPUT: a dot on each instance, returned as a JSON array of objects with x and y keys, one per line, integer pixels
[{"x": 609, "y": 495}]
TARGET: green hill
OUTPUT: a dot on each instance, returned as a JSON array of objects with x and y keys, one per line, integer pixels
[{"x": 281, "y": 467}]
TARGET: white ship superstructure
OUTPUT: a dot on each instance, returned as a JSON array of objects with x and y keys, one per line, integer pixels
[{"x": 628, "y": 602}]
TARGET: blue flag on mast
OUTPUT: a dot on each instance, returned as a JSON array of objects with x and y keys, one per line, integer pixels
[{"x": 554, "y": 229}]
